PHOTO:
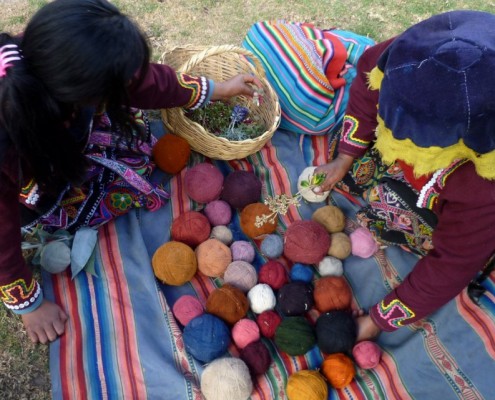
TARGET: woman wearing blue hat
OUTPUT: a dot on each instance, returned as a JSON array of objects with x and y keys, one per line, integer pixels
[{"x": 418, "y": 143}]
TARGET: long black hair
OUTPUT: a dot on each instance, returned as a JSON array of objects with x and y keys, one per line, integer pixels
[{"x": 75, "y": 53}]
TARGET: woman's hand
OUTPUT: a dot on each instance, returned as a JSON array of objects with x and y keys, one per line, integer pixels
[
  {"x": 238, "y": 85},
  {"x": 366, "y": 328},
  {"x": 46, "y": 323},
  {"x": 334, "y": 171}
]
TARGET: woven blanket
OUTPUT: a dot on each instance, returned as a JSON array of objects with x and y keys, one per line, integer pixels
[{"x": 122, "y": 341}]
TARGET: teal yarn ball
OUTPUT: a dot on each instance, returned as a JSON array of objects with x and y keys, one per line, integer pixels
[
  {"x": 301, "y": 273},
  {"x": 295, "y": 336},
  {"x": 206, "y": 337},
  {"x": 272, "y": 246}
]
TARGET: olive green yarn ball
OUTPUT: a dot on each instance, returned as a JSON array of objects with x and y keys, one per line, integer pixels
[{"x": 295, "y": 336}]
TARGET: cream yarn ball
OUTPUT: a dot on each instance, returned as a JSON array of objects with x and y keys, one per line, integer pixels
[
  {"x": 222, "y": 233},
  {"x": 306, "y": 192},
  {"x": 261, "y": 298},
  {"x": 330, "y": 266},
  {"x": 226, "y": 378}
]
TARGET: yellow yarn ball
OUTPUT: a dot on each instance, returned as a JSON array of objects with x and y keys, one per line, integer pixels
[
  {"x": 340, "y": 246},
  {"x": 174, "y": 263},
  {"x": 307, "y": 385},
  {"x": 331, "y": 217}
]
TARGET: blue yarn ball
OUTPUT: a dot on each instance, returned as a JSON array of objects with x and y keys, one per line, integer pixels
[
  {"x": 272, "y": 246},
  {"x": 206, "y": 337},
  {"x": 301, "y": 273}
]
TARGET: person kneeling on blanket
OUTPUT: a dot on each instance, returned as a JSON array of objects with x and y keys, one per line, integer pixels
[
  {"x": 418, "y": 143},
  {"x": 72, "y": 149}
]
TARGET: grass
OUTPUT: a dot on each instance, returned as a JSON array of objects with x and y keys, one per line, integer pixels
[{"x": 169, "y": 23}]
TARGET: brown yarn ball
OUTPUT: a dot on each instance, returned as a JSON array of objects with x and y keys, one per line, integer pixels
[
  {"x": 228, "y": 303},
  {"x": 191, "y": 228},
  {"x": 341, "y": 246},
  {"x": 248, "y": 220},
  {"x": 306, "y": 242},
  {"x": 332, "y": 293},
  {"x": 338, "y": 369},
  {"x": 213, "y": 257},
  {"x": 174, "y": 263},
  {"x": 171, "y": 153},
  {"x": 331, "y": 217}
]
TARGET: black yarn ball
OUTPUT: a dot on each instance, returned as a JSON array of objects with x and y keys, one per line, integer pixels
[
  {"x": 336, "y": 332},
  {"x": 295, "y": 298}
]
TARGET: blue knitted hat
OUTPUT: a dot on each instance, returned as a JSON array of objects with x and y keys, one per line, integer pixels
[{"x": 437, "y": 93}]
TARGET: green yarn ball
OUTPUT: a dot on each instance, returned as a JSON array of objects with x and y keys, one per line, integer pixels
[{"x": 295, "y": 336}]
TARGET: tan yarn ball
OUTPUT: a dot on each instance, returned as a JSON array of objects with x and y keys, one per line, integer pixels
[
  {"x": 227, "y": 303},
  {"x": 331, "y": 217},
  {"x": 174, "y": 263},
  {"x": 248, "y": 220},
  {"x": 213, "y": 258},
  {"x": 340, "y": 246}
]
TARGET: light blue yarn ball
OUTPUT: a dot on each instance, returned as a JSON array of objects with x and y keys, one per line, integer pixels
[{"x": 272, "y": 246}]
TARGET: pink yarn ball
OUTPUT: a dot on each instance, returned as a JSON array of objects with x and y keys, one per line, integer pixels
[
  {"x": 367, "y": 354},
  {"x": 268, "y": 322},
  {"x": 244, "y": 332},
  {"x": 273, "y": 274},
  {"x": 306, "y": 242},
  {"x": 203, "y": 183},
  {"x": 362, "y": 243},
  {"x": 218, "y": 212},
  {"x": 186, "y": 308},
  {"x": 241, "y": 274},
  {"x": 242, "y": 251}
]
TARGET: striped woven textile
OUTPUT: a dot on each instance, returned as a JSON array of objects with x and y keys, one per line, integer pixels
[{"x": 122, "y": 341}]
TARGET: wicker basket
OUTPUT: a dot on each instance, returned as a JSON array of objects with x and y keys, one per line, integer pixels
[{"x": 221, "y": 63}]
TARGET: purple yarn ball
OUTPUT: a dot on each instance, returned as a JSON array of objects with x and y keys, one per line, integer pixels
[
  {"x": 242, "y": 251},
  {"x": 241, "y": 188},
  {"x": 218, "y": 212}
]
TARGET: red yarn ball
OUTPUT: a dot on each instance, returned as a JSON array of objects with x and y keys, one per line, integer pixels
[
  {"x": 268, "y": 322},
  {"x": 191, "y": 228},
  {"x": 171, "y": 153},
  {"x": 273, "y": 274},
  {"x": 241, "y": 188},
  {"x": 203, "y": 183},
  {"x": 306, "y": 242},
  {"x": 257, "y": 357}
]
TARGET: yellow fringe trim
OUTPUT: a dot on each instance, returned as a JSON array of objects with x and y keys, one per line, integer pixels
[
  {"x": 375, "y": 78},
  {"x": 427, "y": 160}
]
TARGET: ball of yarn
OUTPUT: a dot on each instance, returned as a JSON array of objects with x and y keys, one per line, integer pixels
[
  {"x": 191, "y": 228},
  {"x": 213, "y": 257},
  {"x": 174, "y": 263},
  {"x": 241, "y": 188},
  {"x": 55, "y": 257},
  {"x": 241, "y": 274},
  {"x": 303, "y": 187},
  {"x": 268, "y": 322},
  {"x": 307, "y": 385},
  {"x": 248, "y": 220},
  {"x": 306, "y": 242},
  {"x": 227, "y": 378},
  {"x": 203, "y": 183},
  {"x": 206, "y": 337},
  {"x": 341, "y": 245},
  {"x": 186, "y": 308},
  {"x": 331, "y": 217},
  {"x": 367, "y": 354},
  {"x": 171, "y": 153},
  {"x": 336, "y": 332},
  {"x": 244, "y": 332},
  {"x": 330, "y": 266},
  {"x": 301, "y": 273},
  {"x": 272, "y": 246},
  {"x": 222, "y": 233},
  {"x": 295, "y": 336},
  {"x": 273, "y": 274},
  {"x": 261, "y": 298},
  {"x": 338, "y": 369},
  {"x": 332, "y": 293},
  {"x": 228, "y": 303},
  {"x": 218, "y": 212},
  {"x": 257, "y": 357},
  {"x": 362, "y": 243},
  {"x": 295, "y": 298},
  {"x": 242, "y": 250}
]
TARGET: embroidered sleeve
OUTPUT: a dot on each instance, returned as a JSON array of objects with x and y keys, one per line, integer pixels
[
  {"x": 20, "y": 296},
  {"x": 391, "y": 314},
  {"x": 199, "y": 88}
]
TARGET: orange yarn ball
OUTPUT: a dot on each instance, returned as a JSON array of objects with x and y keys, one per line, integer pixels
[
  {"x": 213, "y": 258},
  {"x": 338, "y": 369},
  {"x": 171, "y": 153},
  {"x": 248, "y": 220},
  {"x": 174, "y": 263},
  {"x": 332, "y": 293},
  {"x": 191, "y": 228},
  {"x": 228, "y": 303}
]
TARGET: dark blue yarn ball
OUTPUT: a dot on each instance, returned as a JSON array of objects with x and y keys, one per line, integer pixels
[{"x": 301, "y": 273}]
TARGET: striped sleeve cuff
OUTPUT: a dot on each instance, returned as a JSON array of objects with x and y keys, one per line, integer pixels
[
  {"x": 350, "y": 143},
  {"x": 21, "y": 298}
]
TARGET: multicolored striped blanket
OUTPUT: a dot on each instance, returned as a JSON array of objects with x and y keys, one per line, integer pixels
[{"x": 122, "y": 341}]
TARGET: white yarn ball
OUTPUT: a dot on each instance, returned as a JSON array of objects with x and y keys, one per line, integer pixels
[
  {"x": 222, "y": 233},
  {"x": 308, "y": 193},
  {"x": 331, "y": 266},
  {"x": 226, "y": 378},
  {"x": 261, "y": 298},
  {"x": 55, "y": 257}
]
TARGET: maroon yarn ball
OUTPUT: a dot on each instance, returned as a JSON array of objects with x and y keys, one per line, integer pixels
[
  {"x": 241, "y": 188},
  {"x": 218, "y": 212},
  {"x": 257, "y": 357},
  {"x": 306, "y": 242},
  {"x": 273, "y": 274},
  {"x": 191, "y": 228},
  {"x": 203, "y": 183},
  {"x": 268, "y": 322}
]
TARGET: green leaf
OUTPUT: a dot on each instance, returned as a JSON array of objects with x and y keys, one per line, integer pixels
[{"x": 304, "y": 184}]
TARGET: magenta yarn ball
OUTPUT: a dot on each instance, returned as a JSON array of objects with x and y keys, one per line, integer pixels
[
  {"x": 306, "y": 242},
  {"x": 242, "y": 251},
  {"x": 241, "y": 274},
  {"x": 203, "y": 183},
  {"x": 367, "y": 354},
  {"x": 244, "y": 332},
  {"x": 218, "y": 212},
  {"x": 268, "y": 322},
  {"x": 273, "y": 274},
  {"x": 191, "y": 228},
  {"x": 186, "y": 308},
  {"x": 257, "y": 357},
  {"x": 241, "y": 188},
  {"x": 362, "y": 243}
]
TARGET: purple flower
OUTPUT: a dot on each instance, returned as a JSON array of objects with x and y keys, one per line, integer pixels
[{"x": 239, "y": 114}]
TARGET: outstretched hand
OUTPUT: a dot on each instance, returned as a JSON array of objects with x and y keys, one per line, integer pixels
[
  {"x": 334, "y": 171},
  {"x": 46, "y": 323},
  {"x": 242, "y": 84},
  {"x": 366, "y": 328}
]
